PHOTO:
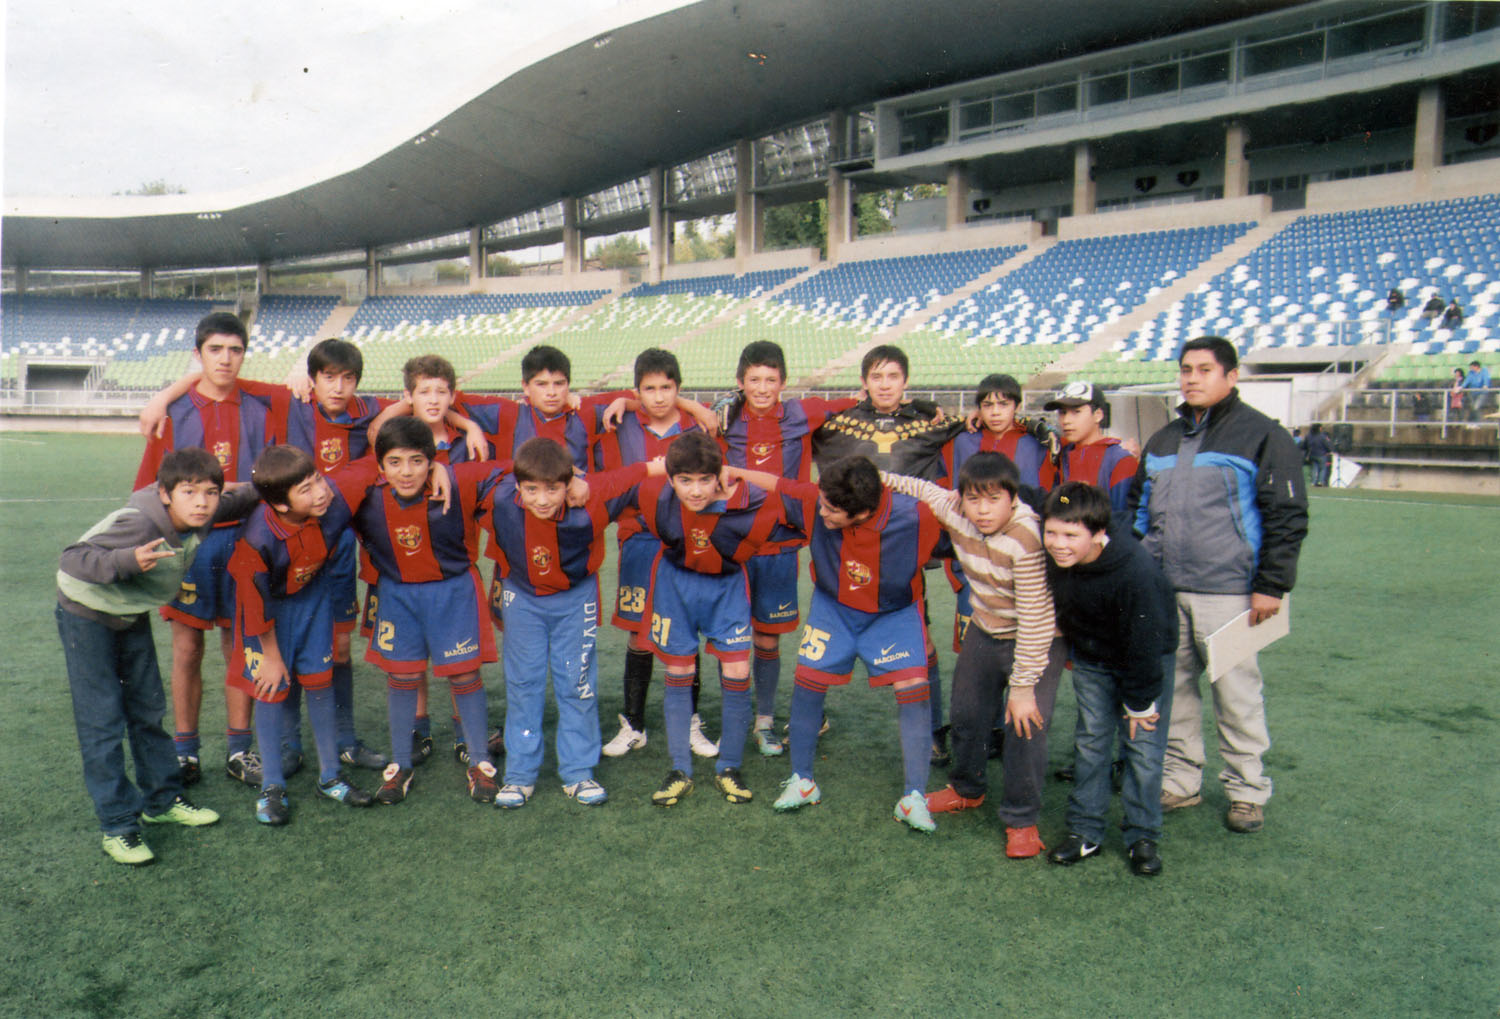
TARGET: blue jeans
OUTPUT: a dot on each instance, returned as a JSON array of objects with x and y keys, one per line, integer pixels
[
  {"x": 116, "y": 687},
  {"x": 1100, "y": 712}
]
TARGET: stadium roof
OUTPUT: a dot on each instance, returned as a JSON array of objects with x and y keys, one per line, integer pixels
[{"x": 657, "y": 83}]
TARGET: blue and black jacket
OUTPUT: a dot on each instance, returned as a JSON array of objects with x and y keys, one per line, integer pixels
[{"x": 1221, "y": 502}]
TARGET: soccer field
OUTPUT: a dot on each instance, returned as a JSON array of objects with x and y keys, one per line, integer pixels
[{"x": 1372, "y": 891}]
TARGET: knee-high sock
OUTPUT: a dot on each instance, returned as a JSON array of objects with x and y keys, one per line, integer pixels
[
  {"x": 473, "y": 720},
  {"x": 322, "y": 713},
  {"x": 401, "y": 709},
  {"x": 767, "y": 671},
  {"x": 637, "y": 683},
  {"x": 935, "y": 691},
  {"x": 291, "y": 719},
  {"x": 677, "y": 709},
  {"x": 269, "y": 719},
  {"x": 806, "y": 720},
  {"x": 343, "y": 702},
  {"x": 421, "y": 724},
  {"x": 734, "y": 720},
  {"x": 697, "y": 680},
  {"x": 913, "y": 715}
]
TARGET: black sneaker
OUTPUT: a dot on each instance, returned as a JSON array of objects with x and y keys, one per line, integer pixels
[
  {"x": 396, "y": 781},
  {"x": 1073, "y": 849},
  {"x": 1144, "y": 860},
  {"x": 421, "y": 747},
  {"x": 361, "y": 756},
  {"x": 190, "y": 771},
  {"x": 732, "y": 785},
  {"x": 272, "y": 808},
  {"x": 245, "y": 767},
  {"x": 291, "y": 761},
  {"x": 941, "y": 758},
  {"x": 344, "y": 791},
  {"x": 461, "y": 753},
  {"x": 673, "y": 788}
]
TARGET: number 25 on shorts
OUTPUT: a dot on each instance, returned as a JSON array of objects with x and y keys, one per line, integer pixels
[{"x": 814, "y": 644}]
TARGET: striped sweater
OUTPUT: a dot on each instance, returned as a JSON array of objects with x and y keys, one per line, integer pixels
[{"x": 1007, "y": 574}]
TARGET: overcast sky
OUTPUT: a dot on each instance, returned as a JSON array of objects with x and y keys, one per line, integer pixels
[{"x": 103, "y": 95}]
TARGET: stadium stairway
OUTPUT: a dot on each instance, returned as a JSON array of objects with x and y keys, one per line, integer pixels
[
  {"x": 624, "y": 374},
  {"x": 337, "y": 319},
  {"x": 926, "y": 314},
  {"x": 1103, "y": 340},
  {"x": 517, "y": 350}
]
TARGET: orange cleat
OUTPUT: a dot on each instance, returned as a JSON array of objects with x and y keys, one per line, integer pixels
[
  {"x": 947, "y": 800},
  {"x": 1023, "y": 843}
]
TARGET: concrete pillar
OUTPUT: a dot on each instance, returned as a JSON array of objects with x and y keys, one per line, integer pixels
[
  {"x": 749, "y": 213},
  {"x": 659, "y": 251},
  {"x": 1236, "y": 166},
  {"x": 572, "y": 239},
  {"x": 22, "y": 279},
  {"x": 1427, "y": 149},
  {"x": 372, "y": 273},
  {"x": 1083, "y": 180},
  {"x": 839, "y": 221},
  {"x": 958, "y": 195},
  {"x": 262, "y": 279},
  {"x": 476, "y": 256}
]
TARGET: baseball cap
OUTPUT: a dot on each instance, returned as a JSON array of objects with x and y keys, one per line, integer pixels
[{"x": 1077, "y": 394}]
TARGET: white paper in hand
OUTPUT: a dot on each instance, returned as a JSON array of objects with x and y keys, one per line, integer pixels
[{"x": 1237, "y": 640}]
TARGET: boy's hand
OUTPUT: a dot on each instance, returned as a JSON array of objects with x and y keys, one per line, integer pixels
[
  {"x": 614, "y": 413},
  {"x": 270, "y": 676},
  {"x": 1021, "y": 712},
  {"x": 574, "y": 401},
  {"x": 439, "y": 486},
  {"x": 656, "y": 467},
  {"x": 578, "y": 492},
  {"x": 706, "y": 418},
  {"x": 153, "y": 418},
  {"x": 728, "y": 478},
  {"x": 1147, "y": 724},
  {"x": 1263, "y": 607},
  {"x": 147, "y": 555},
  {"x": 971, "y": 421},
  {"x": 478, "y": 445},
  {"x": 298, "y": 382}
]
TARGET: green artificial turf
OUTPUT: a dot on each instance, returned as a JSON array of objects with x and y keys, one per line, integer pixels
[{"x": 1372, "y": 890}]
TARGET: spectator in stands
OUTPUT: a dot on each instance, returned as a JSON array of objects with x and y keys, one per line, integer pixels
[
  {"x": 1453, "y": 315},
  {"x": 1434, "y": 307},
  {"x": 1221, "y": 502},
  {"x": 1456, "y": 396},
  {"x": 1475, "y": 385},
  {"x": 1319, "y": 454},
  {"x": 1395, "y": 300}
]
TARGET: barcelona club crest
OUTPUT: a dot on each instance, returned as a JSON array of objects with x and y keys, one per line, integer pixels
[
  {"x": 541, "y": 558},
  {"x": 762, "y": 451},
  {"x": 222, "y": 452},
  {"x": 331, "y": 451},
  {"x": 858, "y": 573},
  {"x": 699, "y": 538},
  {"x": 304, "y": 574},
  {"x": 409, "y": 537}
]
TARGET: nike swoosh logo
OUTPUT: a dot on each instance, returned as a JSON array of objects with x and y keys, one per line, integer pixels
[
  {"x": 739, "y": 630},
  {"x": 906, "y": 810},
  {"x": 783, "y": 606},
  {"x": 887, "y": 649}
]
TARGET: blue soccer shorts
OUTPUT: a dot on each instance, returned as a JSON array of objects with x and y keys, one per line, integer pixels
[
  {"x": 438, "y": 621},
  {"x": 206, "y": 597},
  {"x": 303, "y": 625},
  {"x": 891, "y": 644},
  {"x": 773, "y": 591},
  {"x": 637, "y": 558},
  {"x": 343, "y": 570},
  {"x": 684, "y": 604}
]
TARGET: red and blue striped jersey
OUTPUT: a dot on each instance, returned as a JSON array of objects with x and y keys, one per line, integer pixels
[
  {"x": 727, "y": 533},
  {"x": 1106, "y": 464},
  {"x": 779, "y": 442},
  {"x": 414, "y": 541},
  {"x": 876, "y": 565},
  {"x": 507, "y": 423},
  {"x": 543, "y": 557},
  {"x": 273, "y": 561},
  {"x": 632, "y": 442},
  {"x": 1023, "y": 449},
  {"x": 233, "y": 429},
  {"x": 331, "y": 442}
]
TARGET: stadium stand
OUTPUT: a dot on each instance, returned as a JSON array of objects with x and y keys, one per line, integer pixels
[{"x": 1300, "y": 287}]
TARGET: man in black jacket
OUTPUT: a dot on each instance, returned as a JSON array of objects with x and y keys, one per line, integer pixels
[{"x": 1221, "y": 502}]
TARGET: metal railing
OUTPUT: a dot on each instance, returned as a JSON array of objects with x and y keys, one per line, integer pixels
[{"x": 1405, "y": 408}]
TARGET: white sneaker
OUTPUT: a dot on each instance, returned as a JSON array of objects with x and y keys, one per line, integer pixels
[
  {"x": 627, "y": 739},
  {"x": 588, "y": 792},
  {"x": 701, "y": 744},
  {"x": 513, "y": 797}
]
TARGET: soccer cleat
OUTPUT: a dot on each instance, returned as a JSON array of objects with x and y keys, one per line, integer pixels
[
  {"x": 1023, "y": 843},
  {"x": 341, "y": 789},
  {"x": 588, "y": 792},
  {"x": 421, "y": 747},
  {"x": 767, "y": 742},
  {"x": 496, "y": 744},
  {"x": 941, "y": 758},
  {"x": 461, "y": 753},
  {"x": 395, "y": 781},
  {"x": 733, "y": 786},
  {"x": 786, "y": 728},
  {"x": 291, "y": 761},
  {"x": 798, "y": 792},
  {"x": 911, "y": 810},
  {"x": 673, "y": 788},
  {"x": 701, "y": 744},
  {"x": 1144, "y": 860},
  {"x": 1245, "y": 817},
  {"x": 512, "y": 797},
  {"x": 191, "y": 771},
  {"x": 949, "y": 800},
  {"x": 627, "y": 739},
  {"x": 184, "y": 812},
  {"x": 1073, "y": 849},
  {"x": 482, "y": 784},
  {"x": 129, "y": 849},
  {"x": 1174, "y": 801},
  {"x": 361, "y": 756},
  {"x": 271, "y": 807},
  {"x": 245, "y": 767}
]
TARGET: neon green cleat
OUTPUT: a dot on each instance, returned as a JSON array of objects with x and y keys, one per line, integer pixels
[
  {"x": 911, "y": 810},
  {"x": 183, "y": 812},
  {"x": 128, "y": 849}
]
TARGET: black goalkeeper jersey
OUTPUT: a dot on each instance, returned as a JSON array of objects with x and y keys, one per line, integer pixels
[{"x": 908, "y": 441}]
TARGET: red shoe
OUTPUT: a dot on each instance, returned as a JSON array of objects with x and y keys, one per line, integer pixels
[
  {"x": 947, "y": 800},
  {"x": 1023, "y": 843}
]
